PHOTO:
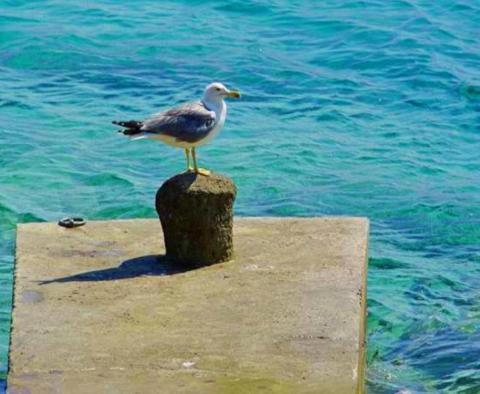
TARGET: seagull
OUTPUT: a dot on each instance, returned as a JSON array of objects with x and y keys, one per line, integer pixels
[{"x": 186, "y": 126}]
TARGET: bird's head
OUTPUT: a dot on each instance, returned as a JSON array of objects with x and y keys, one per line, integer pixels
[{"x": 217, "y": 91}]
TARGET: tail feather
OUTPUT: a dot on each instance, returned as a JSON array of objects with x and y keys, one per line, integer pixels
[
  {"x": 139, "y": 136},
  {"x": 131, "y": 124},
  {"x": 132, "y": 127}
]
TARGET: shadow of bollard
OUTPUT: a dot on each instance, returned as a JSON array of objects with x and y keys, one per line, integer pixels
[{"x": 150, "y": 265}]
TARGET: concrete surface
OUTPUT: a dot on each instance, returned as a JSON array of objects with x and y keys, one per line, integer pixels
[{"x": 98, "y": 309}]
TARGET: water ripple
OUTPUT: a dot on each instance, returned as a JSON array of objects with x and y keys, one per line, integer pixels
[{"x": 350, "y": 107}]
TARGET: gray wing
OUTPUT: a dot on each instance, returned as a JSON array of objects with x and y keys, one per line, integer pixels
[{"x": 190, "y": 122}]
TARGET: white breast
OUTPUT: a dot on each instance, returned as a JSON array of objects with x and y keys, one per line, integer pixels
[{"x": 220, "y": 114}]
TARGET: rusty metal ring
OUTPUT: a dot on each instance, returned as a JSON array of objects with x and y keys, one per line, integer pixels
[{"x": 71, "y": 222}]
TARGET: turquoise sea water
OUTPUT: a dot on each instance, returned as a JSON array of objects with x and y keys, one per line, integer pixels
[{"x": 367, "y": 108}]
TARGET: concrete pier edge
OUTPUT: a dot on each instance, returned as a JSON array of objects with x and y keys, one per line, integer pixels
[{"x": 63, "y": 279}]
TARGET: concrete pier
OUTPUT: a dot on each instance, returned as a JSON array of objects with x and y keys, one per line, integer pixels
[{"x": 99, "y": 309}]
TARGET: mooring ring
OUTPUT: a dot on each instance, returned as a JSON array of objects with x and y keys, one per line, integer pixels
[{"x": 71, "y": 222}]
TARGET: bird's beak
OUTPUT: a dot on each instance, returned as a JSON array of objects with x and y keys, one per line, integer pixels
[{"x": 233, "y": 94}]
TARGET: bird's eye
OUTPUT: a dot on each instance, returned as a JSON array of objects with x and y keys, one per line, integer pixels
[{"x": 217, "y": 89}]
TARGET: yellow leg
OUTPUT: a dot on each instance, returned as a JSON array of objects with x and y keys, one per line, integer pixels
[
  {"x": 187, "y": 156},
  {"x": 200, "y": 171}
]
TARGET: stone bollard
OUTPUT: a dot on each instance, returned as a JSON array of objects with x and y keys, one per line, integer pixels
[{"x": 196, "y": 213}]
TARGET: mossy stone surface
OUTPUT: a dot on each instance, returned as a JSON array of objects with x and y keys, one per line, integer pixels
[{"x": 196, "y": 213}]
